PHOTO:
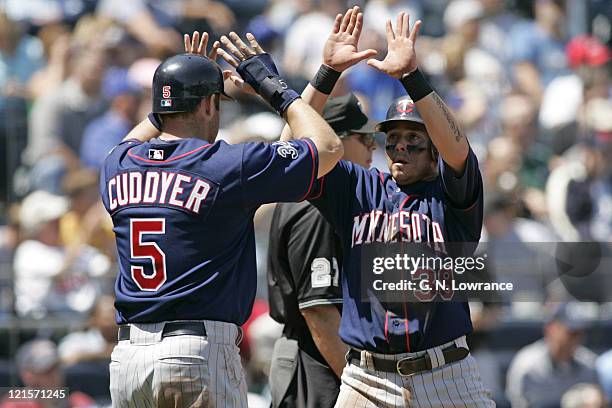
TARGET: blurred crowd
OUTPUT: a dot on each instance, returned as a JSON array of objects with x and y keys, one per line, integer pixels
[{"x": 528, "y": 80}]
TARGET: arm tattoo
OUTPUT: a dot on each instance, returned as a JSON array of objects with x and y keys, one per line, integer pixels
[{"x": 451, "y": 122}]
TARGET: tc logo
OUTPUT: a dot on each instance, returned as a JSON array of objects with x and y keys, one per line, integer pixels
[
  {"x": 405, "y": 106},
  {"x": 166, "y": 91}
]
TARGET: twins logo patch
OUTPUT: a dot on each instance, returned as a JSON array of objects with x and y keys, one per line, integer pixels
[
  {"x": 286, "y": 149},
  {"x": 405, "y": 106}
]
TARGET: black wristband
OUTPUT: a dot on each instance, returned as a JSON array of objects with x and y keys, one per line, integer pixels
[
  {"x": 278, "y": 94},
  {"x": 155, "y": 120},
  {"x": 325, "y": 79},
  {"x": 416, "y": 85}
]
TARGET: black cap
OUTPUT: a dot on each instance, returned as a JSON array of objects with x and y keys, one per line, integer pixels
[
  {"x": 344, "y": 114},
  {"x": 402, "y": 109},
  {"x": 182, "y": 81}
]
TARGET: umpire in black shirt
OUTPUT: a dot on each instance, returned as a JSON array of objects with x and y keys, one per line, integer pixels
[{"x": 305, "y": 257}]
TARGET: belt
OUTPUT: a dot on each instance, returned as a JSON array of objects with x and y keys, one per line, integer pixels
[
  {"x": 409, "y": 366},
  {"x": 171, "y": 329}
]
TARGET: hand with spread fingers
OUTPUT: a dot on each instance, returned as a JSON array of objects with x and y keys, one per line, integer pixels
[
  {"x": 197, "y": 44},
  {"x": 401, "y": 57},
  {"x": 239, "y": 51},
  {"x": 340, "y": 50},
  {"x": 257, "y": 69}
]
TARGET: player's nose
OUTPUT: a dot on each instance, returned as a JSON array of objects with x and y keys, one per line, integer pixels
[{"x": 400, "y": 146}]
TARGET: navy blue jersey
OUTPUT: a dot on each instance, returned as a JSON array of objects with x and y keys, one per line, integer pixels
[
  {"x": 183, "y": 218},
  {"x": 367, "y": 207}
]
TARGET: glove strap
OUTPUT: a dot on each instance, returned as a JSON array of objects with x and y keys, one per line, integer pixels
[{"x": 260, "y": 72}]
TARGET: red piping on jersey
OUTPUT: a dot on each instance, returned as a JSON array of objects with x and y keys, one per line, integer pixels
[
  {"x": 387, "y": 326},
  {"x": 382, "y": 178},
  {"x": 471, "y": 206},
  {"x": 312, "y": 176},
  {"x": 320, "y": 190},
  {"x": 180, "y": 156}
]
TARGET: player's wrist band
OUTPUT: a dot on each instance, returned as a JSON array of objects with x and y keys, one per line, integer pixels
[
  {"x": 325, "y": 79},
  {"x": 155, "y": 120},
  {"x": 416, "y": 85},
  {"x": 260, "y": 72}
]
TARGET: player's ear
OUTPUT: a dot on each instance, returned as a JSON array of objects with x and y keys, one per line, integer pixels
[{"x": 211, "y": 104}]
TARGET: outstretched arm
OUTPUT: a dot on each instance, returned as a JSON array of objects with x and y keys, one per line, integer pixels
[
  {"x": 257, "y": 69},
  {"x": 339, "y": 54},
  {"x": 401, "y": 63}
]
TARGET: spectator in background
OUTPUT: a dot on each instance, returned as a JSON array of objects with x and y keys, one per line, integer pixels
[
  {"x": 86, "y": 222},
  {"x": 47, "y": 278},
  {"x": 543, "y": 371},
  {"x": 58, "y": 119},
  {"x": 39, "y": 367},
  {"x": 471, "y": 78},
  {"x": 105, "y": 132},
  {"x": 304, "y": 40},
  {"x": 55, "y": 40},
  {"x": 579, "y": 190},
  {"x": 538, "y": 48},
  {"x": 515, "y": 244},
  {"x": 20, "y": 57},
  {"x": 566, "y": 97},
  {"x": 495, "y": 27},
  {"x": 141, "y": 73},
  {"x": 531, "y": 156},
  {"x": 97, "y": 342},
  {"x": 161, "y": 41}
]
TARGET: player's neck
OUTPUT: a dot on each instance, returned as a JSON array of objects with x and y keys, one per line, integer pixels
[{"x": 177, "y": 132}]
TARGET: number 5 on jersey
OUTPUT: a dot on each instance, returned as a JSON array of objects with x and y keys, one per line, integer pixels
[{"x": 140, "y": 249}]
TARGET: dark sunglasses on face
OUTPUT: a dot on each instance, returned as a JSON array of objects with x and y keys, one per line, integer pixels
[{"x": 366, "y": 139}]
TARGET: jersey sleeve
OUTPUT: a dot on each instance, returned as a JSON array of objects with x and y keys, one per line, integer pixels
[
  {"x": 464, "y": 194},
  {"x": 283, "y": 171},
  {"x": 112, "y": 166},
  {"x": 314, "y": 257},
  {"x": 333, "y": 195}
]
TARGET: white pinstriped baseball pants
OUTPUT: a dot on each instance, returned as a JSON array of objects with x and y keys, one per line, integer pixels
[
  {"x": 455, "y": 385},
  {"x": 178, "y": 371}
]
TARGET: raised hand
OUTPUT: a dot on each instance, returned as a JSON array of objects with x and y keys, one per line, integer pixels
[
  {"x": 197, "y": 45},
  {"x": 340, "y": 50},
  {"x": 401, "y": 58},
  {"x": 241, "y": 52}
]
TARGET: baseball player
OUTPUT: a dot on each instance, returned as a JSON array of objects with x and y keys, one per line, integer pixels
[
  {"x": 182, "y": 207},
  {"x": 305, "y": 255},
  {"x": 414, "y": 355}
]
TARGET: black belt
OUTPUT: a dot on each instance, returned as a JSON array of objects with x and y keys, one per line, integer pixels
[
  {"x": 171, "y": 329},
  {"x": 409, "y": 366}
]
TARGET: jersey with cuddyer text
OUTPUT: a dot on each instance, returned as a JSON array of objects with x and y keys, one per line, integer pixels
[
  {"x": 183, "y": 219},
  {"x": 367, "y": 207},
  {"x": 304, "y": 260}
]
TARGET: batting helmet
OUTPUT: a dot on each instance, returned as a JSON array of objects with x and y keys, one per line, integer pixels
[
  {"x": 402, "y": 109},
  {"x": 182, "y": 81}
]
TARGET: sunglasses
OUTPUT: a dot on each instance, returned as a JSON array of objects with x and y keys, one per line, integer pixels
[{"x": 366, "y": 139}]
